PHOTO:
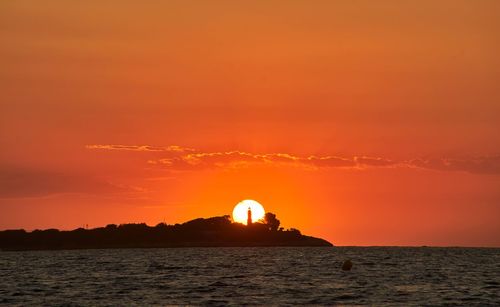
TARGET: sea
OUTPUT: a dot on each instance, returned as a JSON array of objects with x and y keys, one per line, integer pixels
[{"x": 399, "y": 276}]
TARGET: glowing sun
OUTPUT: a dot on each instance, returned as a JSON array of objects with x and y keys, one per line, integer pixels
[{"x": 240, "y": 211}]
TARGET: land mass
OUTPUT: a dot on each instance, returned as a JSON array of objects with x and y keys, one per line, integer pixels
[{"x": 201, "y": 232}]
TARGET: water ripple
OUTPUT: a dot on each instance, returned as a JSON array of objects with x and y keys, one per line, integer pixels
[{"x": 255, "y": 276}]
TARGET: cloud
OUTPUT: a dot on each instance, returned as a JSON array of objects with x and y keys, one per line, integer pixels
[
  {"x": 16, "y": 183},
  {"x": 171, "y": 148},
  {"x": 374, "y": 161},
  {"x": 234, "y": 159},
  {"x": 330, "y": 161},
  {"x": 183, "y": 158},
  {"x": 475, "y": 165},
  {"x": 210, "y": 160}
]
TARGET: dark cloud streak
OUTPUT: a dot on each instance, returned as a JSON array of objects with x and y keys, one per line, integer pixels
[{"x": 17, "y": 183}]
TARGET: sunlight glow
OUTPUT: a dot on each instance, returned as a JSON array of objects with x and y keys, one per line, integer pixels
[{"x": 240, "y": 211}]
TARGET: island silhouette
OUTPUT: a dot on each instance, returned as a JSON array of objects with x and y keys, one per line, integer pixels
[{"x": 217, "y": 231}]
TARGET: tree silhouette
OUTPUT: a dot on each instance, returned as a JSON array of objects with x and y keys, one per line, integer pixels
[
  {"x": 271, "y": 221},
  {"x": 202, "y": 232}
]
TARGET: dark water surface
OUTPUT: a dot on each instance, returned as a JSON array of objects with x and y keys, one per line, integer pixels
[{"x": 380, "y": 275}]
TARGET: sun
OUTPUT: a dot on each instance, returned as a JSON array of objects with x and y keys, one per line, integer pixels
[{"x": 240, "y": 211}]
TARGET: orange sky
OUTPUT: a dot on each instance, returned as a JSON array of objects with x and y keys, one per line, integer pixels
[{"x": 363, "y": 122}]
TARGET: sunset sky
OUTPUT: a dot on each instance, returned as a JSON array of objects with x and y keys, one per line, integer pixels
[{"x": 361, "y": 122}]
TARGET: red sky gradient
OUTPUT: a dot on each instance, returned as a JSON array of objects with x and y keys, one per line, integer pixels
[{"x": 362, "y": 122}]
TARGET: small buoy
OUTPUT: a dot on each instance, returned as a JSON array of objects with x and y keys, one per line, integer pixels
[{"x": 347, "y": 265}]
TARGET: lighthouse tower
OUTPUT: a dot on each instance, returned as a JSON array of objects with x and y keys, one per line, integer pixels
[{"x": 249, "y": 219}]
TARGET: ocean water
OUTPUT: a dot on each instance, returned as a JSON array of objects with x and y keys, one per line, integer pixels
[{"x": 255, "y": 276}]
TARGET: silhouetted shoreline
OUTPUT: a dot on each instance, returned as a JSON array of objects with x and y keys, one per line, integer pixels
[{"x": 210, "y": 232}]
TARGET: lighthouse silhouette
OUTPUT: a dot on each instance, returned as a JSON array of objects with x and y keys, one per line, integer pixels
[{"x": 249, "y": 218}]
